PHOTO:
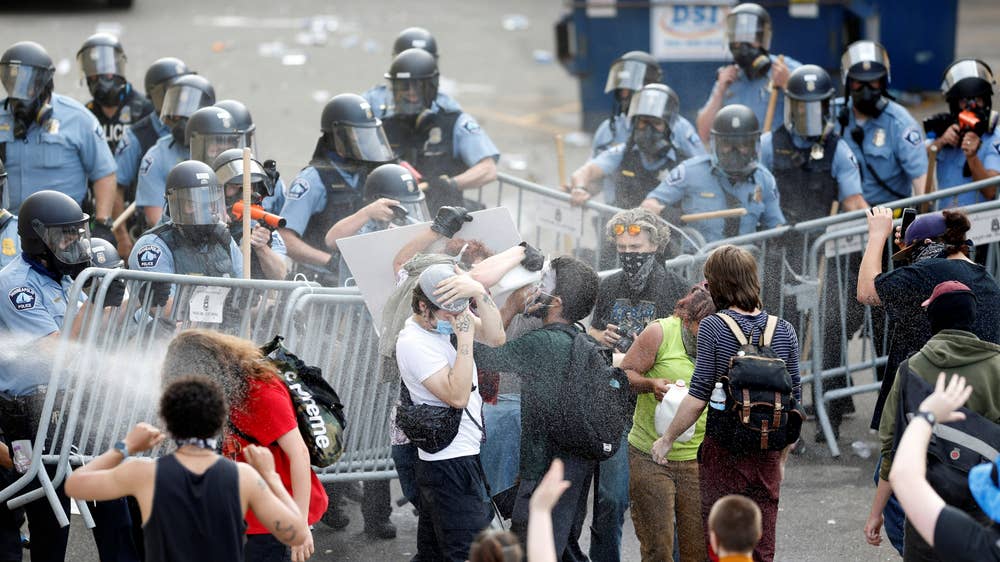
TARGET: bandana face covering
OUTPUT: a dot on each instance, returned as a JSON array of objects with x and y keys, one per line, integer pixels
[
  {"x": 637, "y": 266},
  {"x": 932, "y": 250}
]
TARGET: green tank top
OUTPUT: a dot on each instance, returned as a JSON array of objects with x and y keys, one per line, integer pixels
[{"x": 673, "y": 363}]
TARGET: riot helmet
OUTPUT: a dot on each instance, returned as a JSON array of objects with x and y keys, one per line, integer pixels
[
  {"x": 653, "y": 110},
  {"x": 352, "y": 131},
  {"x": 229, "y": 170},
  {"x": 195, "y": 198},
  {"x": 54, "y": 229},
  {"x": 628, "y": 74},
  {"x": 748, "y": 32},
  {"x": 967, "y": 84},
  {"x": 413, "y": 76},
  {"x": 863, "y": 63},
  {"x": 210, "y": 131},
  {"x": 242, "y": 119},
  {"x": 807, "y": 101},
  {"x": 415, "y": 38},
  {"x": 735, "y": 140},
  {"x": 102, "y": 67},
  {"x": 160, "y": 75},
  {"x": 183, "y": 97},
  {"x": 396, "y": 182},
  {"x": 26, "y": 72},
  {"x": 104, "y": 254}
]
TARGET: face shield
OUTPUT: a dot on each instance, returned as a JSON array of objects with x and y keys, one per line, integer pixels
[
  {"x": 69, "y": 243},
  {"x": 24, "y": 82},
  {"x": 367, "y": 144},
  {"x": 748, "y": 28},
  {"x": 416, "y": 212},
  {"x": 413, "y": 95},
  {"x": 101, "y": 59},
  {"x": 655, "y": 103},
  {"x": 231, "y": 176},
  {"x": 626, "y": 75},
  {"x": 735, "y": 154},
  {"x": 806, "y": 118},
  {"x": 206, "y": 148},
  {"x": 197, "y": 206},
  {"x": 865, "y": 61},
  {"x": 182, "y": 101}
]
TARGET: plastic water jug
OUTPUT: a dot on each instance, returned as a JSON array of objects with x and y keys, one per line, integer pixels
[{"x": 667, "y": 409}]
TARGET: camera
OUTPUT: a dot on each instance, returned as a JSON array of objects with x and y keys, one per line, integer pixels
[{"x": 625, "y": 341}]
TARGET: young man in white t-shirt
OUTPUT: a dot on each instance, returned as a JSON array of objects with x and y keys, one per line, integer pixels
[{"x": 454, "y": 505}]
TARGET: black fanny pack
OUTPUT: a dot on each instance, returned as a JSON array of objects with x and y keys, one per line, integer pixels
[{"x": 431, "y": 428}]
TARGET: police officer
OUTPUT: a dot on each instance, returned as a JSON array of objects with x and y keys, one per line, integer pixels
[
  {"x": 56, "y": 247},
  {"x": 380, "y": 97},
  {"x": 244, "y": 123},
  {"x": 183, "y": 97},
  {"x": 330, "y": 187},
  {"x": 730, "y": 177},
  {"x": 659, "y": 140},
  {"x": 448, "y": 148},
  {"x": 885, "y": 139},
  {"x": 968, "y": 149},
  {"x": 49, "y": 141},
  {"x": 211, "y": 131},
  {"x": 10, "y": 242},
  {"x": 627, "y": 75},
  {"x": 755, "y": 73},
  {"x": 194, "y": 240},
  {"x": 115, "y": 103},
  {"x": 269, "y": 257}
]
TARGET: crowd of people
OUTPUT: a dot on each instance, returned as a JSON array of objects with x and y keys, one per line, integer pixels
[{"x": 493, "y": 421}]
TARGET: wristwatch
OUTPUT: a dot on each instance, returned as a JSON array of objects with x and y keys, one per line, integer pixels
[
  {"x": 121, "y": 448},
  {"x": 928, "y": 416},
  {"x": 108, "y": 222}
]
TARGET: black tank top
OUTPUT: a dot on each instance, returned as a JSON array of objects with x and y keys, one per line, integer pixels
[{"x": 195, "y": 516}]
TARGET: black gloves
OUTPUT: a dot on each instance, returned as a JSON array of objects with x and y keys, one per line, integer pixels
[
  {"x": 333, "y": 264},
  {"x": 102, "y": 229},
  {"x": 161, "y": 293},
  {"x": 533, "y": 258},
  {"x": 115, "y": 294},
  {"x": 271, "y": 170},
  {"x": 449, "y": 220}
]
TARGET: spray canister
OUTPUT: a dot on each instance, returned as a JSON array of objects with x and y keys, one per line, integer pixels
[
  {"x": 718, "y": 399},
  {"x": 21, "y": 454}
]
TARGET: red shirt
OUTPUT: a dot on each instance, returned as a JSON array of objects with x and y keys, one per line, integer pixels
[{"x": 266, "y": 415}]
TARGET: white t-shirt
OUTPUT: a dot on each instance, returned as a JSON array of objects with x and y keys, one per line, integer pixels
[{"x": 420, "y": 354}]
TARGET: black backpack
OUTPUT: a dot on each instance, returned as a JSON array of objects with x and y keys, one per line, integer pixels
[
  {"x": 761, "y": 413},
  {"x": 588, "y": 416}
]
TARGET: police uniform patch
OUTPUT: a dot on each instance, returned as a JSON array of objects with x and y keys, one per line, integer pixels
[
  {"x": 148, "y": 255},
  {"x": 996, "y": 147},
  {"x": 122, "y": 145},
  {"x": 298, "y": 188},
  {"x": 676, "y": 175},
  {"x": 912, "y": 136},
  {"x": 471, "y": 126},
  {"x": 23, "y": 298},
  {"x": 9, "y": 247},
  {"x": 147, "y": 163}
]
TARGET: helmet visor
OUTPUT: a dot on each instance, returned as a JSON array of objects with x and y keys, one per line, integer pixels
[
  {"x": 24, "y": 82},
  {"x": 232, "y": 172},
  {"x": 654, "y": 103},
  {"x": 69, "y": 243},
  {"x": 193, "y": 206},
  {"x": 206, "y": 148},
  {"x": 806, "y": 118},
  {"x": 964, "y": 69},
  {"x": 626, "y": 75},
  {"x": 101, "y": 59},
  {"x": 864, "y": 61},
  {"x": 417, "y": 211},
  {"x": 411, "y": 96},
  {"x": 735, "y": 154},
  {"x": 182, "y": 101},
  {"x": 748, "y": 28},
  {"x": 368, "y": 144}
]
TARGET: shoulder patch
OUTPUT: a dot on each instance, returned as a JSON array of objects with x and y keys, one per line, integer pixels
[
  {"x": 122, "y": 145},
  {"x": 149, "y": 255},
  {"x": 298, "y": 188},
  {"x": 23, "y": 298},
  {"x": 147, "y": 163},
  {"x": 471, "y": 126},
  {"x": 996, "y": 147},
  {"x": 912, "y": 136},
  {"x": 676, "y": 175}
]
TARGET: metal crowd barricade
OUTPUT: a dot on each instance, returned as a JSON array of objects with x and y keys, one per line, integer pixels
[{"x": 105, "y": 369}]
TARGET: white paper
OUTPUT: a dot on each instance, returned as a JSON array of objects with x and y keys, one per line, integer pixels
[{"x": 206, "y": 304}]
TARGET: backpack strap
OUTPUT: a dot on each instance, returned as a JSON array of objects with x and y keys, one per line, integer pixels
[
  {"x": 769, "y": 329},
  {"x": 734, "y": 328}
]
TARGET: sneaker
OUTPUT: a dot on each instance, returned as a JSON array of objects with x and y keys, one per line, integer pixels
[
  {"x": 335, "y": 519},
  {"x": 381, "y": 531}
]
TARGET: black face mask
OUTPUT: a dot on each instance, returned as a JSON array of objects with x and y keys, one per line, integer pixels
[
  {"x": 868, "y": 100},
  {"x": 752, "y": 60},
  {"x": 177, "y": 131},
  {"x": 651, "y": 141},
  {"x": 108, "y": 92},
  {"x": 637, "y": 266},
  {"x": 24, "y": 114}
]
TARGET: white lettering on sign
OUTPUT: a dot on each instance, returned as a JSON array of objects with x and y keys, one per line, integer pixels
[
  {"x": 694, "y": 31},
  {"x": 206, "y": 304}
]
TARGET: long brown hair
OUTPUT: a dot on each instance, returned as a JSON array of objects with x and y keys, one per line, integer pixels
[
  {"x": 696, "y": 305},
  {"x": 955, "y": 236},
  {"x": 731, "y": 273},
  {"x": 229, "y": 360},
  {"x": 495, "y": 546}
]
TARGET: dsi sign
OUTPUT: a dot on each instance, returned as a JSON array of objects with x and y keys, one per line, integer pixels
[{"x": 689, "y": 31}]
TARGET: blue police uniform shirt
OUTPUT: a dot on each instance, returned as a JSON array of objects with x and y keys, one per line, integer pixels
[
  {"x": 33, "y": 306},
  {"x": 151, "y": 253},
  {"x": 274, "y": 203},
  {"x": 380, "y": 98},
  {"x": 127, "y": 155},
  {"x": 755, "y": 95},
  {"x": 605, "y": 138},
  {"x": 62, "y": 154},
  {"x": 893, "y": 147},
  {"x": 10, "y": 242},
  {"x": 844, "y": 169},
  {"x": 700, "y": 187},
  {"x": 951, "y": 161},
  {"x": 306, "y": 195},
  {"x": 156, "y": 165},
  {"x": 471, "y": 143}
]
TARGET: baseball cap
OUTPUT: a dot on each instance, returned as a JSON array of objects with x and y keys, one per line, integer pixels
[
  {"x": 926, "y": 226},
  {"x": 983, "y": 483},
  {"x": 429, "y": 280},
  {"x": 944, "y": 288}
]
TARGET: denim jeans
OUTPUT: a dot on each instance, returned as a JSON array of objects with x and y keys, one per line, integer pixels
[
  {"x": 612, "y": 503},
  {"x": 567, "y": 515},
  {"x": 894, "y": 517},
  {"x": 405, "y": 458},
  {"x": 501, "y": 453}
]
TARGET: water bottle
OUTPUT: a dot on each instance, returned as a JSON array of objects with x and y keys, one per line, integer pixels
[{"x": 718, "y": 398}]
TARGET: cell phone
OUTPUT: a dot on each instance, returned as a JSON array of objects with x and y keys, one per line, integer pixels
[{"x": 909, "y": 214}]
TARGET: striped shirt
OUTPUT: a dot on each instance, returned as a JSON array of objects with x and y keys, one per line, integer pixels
[{"x": 717, "y": 344}]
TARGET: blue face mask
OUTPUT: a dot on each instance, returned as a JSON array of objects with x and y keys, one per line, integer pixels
[{"x": 444, "y": 328}]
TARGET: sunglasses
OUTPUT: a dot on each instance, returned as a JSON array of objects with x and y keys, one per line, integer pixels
[{"x": 621, "y": 228}]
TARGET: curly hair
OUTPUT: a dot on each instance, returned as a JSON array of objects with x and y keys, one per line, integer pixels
[
  {"x": 495, "y": 546},
  {"x": 228, "y": 360},
  {"x": 659, "y": 232},
  {"x": 475, "y": 251},
  {"x": 193, "y": 407},
  {"x": 696, "y": 305},
  {"x": 956, "y": 230}
]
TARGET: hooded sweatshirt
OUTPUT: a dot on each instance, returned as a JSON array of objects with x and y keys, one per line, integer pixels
[{"x": 949, "y": 351}]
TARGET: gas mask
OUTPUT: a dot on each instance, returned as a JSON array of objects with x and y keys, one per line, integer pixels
[
  {"x": 177, "y": 131},
  {"x": 754, "y": 61},
  {"x": 868, "y": 100},
  {"x": 108, "y": 91},
  {"x": 26, "y": 113},
  {"x": 651, "y": 141}
]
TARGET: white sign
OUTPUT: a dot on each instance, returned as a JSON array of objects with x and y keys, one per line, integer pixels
[
  {"x": 370, "y": 256},
  {"x": 847, "y": 244},
  {"x": 694, "y": 31},
  {"x": 985, "y": 226},
  {"x": 561, "y": 217},
  {"x": 206, "y": 304}
]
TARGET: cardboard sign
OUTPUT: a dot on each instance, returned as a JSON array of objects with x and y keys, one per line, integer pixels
[
  {"x": 695, "y": 31},
  {"x": 370, "y": 256}
]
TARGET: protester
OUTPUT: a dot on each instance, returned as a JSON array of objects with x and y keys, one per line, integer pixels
[
  {"x": 731, "y": 274},
  {"x": 660, "y": 495},
  {"x": 260, "y": 413},
  {"x": 495, "y": 546},
  {"x": 543, "y": 501},
  {"x": 734, "y": 528},
  {"x": 200, "y": 497},
  {"x": 952, "y": 311},
  {"x": 953, "y": 534}
]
